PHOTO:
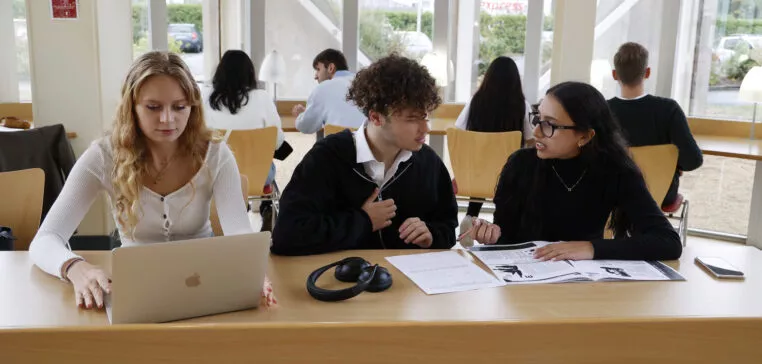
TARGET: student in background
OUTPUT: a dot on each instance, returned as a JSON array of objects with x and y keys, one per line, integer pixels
[
  {"x": 380, "y": 187},
  {"x": 564, "y": 190},
  {"x": 234, "y": 102},
  {"x": 328, "y": 102},
  {"x": 497, "y": 106},
  {"x": 648, "y": 119},
  {"x": 160, "y": 167}
]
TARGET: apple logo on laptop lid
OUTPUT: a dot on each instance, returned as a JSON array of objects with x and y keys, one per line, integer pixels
[{"x": 193, "y": 281}]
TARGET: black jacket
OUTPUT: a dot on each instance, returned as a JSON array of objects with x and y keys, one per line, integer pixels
[
  {"x": 45, "y": 147},
  {"x": 321, "y": 208}
]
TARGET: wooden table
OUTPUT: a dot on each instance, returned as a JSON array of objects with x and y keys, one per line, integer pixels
[
  {"x": 701, "y": 320},
  {"x": 743, "y": 148}
]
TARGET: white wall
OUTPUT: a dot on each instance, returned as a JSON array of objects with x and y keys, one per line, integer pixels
[{"x": 77, "y": 67}]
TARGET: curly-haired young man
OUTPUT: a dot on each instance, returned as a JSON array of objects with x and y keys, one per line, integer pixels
[{"x": 380, "y": 187}]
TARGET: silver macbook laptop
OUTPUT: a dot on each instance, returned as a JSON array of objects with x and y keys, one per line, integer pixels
[{"x": 182, "y": 279}]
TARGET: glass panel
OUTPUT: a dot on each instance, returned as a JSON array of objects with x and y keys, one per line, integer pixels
[
  {"x": 636, "y": 24},
  {"x": 546, "y": 56},
  {"x": 184, "y": 33},
  {"x": 140, "y": 29},
  {"x": 404, "y": 27},
  {"x": 502, "y": 32},
  {"x": 299, "y": 30},
  {"x": 22, "y": 51},
  {"x": 724, "y": 55},
  {"x": 720, "y": 194}
]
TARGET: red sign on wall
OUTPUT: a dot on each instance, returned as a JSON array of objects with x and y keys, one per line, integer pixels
[{"x": 63, "y": 9}]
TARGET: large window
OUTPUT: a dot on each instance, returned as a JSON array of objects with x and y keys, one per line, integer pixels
[
  {"x": 184, "y": 31},
  {"x": 298, "y": 31},
  {"x": 618, "y": 22},
  {"x": 184, "y": 34},
  {"x": 388, "y": 26},
  {"x": 501, "y": 30},
  {"x": 728, "y": 45},
  {"x": 140, "y": 28}
]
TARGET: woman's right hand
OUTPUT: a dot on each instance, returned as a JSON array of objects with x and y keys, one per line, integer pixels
[
  {"x": 90, "y": 283},
  {"x": 485, "y": 232}
]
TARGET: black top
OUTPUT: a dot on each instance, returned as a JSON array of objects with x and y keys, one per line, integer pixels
[
  {"x": 653, "y": 120},
  {"x": 321, "y": 208},
  {"x": 581, "y": 214}
]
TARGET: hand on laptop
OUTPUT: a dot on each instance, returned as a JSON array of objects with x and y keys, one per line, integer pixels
[
  {"x": 415, "y": 231},
  {"x": 379, "y": 212},
  {"x": 268, "y": 297},
  {"x": 90, "y": 283}
]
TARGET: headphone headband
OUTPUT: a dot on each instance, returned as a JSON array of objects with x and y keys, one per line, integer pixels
[{"x": 327, "y": 295}]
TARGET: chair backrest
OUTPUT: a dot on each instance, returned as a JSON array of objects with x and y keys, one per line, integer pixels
[
  {"x": 19, "y": 110},
  {"x": 214, "y": 218},
  {"x": 658, "y": 164},
  {"x": 329, "y": 129},
  {"x": 21, "y": 195},
  {"x": 477, "y": 159},
  {"x": 253, "y": 150}
]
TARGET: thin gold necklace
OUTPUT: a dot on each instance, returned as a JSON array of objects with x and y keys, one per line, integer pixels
[{"x": 160, "y": 173}]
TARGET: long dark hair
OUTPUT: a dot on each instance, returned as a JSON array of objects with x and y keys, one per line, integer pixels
[
  {"x": 232, "y": 81},
  {"x": 499, "y": 104},
  {"x": 605, "y": 153}
]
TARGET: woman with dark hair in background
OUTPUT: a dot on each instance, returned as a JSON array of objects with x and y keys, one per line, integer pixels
[
  {"x": 497, "y": 106},
  {"x": 564, "y": 190},
  {"x": 235, "y": 102}
]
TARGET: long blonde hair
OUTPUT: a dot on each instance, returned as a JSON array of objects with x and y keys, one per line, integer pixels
[{"x": 128, "y": 142}]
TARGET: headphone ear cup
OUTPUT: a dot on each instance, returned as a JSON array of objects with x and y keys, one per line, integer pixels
[
  {"x": 351, "y": 268},
  {"x": 382, "y": 280}
]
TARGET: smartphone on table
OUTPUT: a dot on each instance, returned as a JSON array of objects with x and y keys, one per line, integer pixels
[{"x": 719, "y": 268}]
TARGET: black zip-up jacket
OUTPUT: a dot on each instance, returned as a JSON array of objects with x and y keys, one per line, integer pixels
[{"x": 321, "y": 208}]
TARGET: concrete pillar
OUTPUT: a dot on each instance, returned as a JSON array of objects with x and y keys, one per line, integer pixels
[
  {"x": 157, "y": 25},
  {"x": 573, "y": 38},
  {"x": 350, "y": 33}
]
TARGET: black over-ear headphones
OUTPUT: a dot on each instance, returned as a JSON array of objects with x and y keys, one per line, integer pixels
[{"x": 371, "y": 278}]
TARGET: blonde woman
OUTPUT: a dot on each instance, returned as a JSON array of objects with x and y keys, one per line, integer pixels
[{"x": 160, "y": 166}]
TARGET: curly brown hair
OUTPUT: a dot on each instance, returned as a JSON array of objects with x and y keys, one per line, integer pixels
[{"x": 394, "y": 83}]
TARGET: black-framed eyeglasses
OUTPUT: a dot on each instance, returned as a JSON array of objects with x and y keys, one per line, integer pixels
[{"x": 546, "y": 127}]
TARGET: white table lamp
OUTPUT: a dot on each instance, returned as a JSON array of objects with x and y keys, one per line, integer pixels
[
  {"x": 273, "y": 70},
  {"x": 751, "y": 90}
]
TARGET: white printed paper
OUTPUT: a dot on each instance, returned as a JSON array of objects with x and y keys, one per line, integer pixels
[
  {"x": 443, "y": 272},
  {"x": 515, "y": 264}
]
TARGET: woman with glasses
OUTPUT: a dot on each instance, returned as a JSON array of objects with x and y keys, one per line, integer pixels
[
  {"x": 497, "y": 106},
  {"x": 565, "y": 189}
]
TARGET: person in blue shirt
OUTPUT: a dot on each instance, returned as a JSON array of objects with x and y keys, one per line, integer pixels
[{"x": 328, "y": 102}]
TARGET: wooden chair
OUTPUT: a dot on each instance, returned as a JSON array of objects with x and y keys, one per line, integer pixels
[
  {"x": 477, "y": 159},
  {"x": 21, "y": 195},
  {"x": 253, "y": 150},
  {"x": 658, "y": 164},
  {"x": 329, "y": 129},
  {"x": 215, "y": 219}
]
